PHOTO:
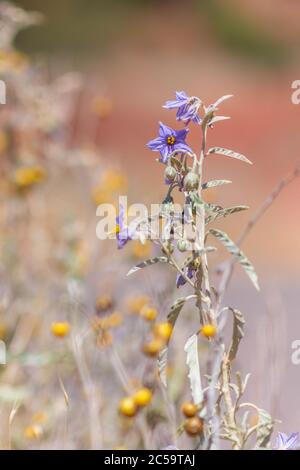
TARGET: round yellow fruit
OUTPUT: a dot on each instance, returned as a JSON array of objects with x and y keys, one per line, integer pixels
[
  {"x": 209, "y": 330},
  {"x": 127, "y": 407},
  {"x": 142, "y": 397},
  {"x": 163, "y": 330}
]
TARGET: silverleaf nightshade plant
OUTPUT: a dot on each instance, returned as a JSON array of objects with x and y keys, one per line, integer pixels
[{"x": 184, "y": 247}]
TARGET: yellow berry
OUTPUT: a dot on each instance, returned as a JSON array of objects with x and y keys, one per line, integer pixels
[
  {"x": 193, "y": 426},
  {"x": 135, "y": 304},
  {"x": 163, "y": 330},
  {"x": 34, "y": 431},
  {"x": 27, "y": 176},
  {"x": 208, "y": 330},
  {"x": 153, "y": 347},
  {"x": 189, "y": 409},
  {"x": 127, "y": 407},
  {"x": 149, "y": 313},
  {"x": 142, "y": 397},
  {"x": 60, "y": 329}
]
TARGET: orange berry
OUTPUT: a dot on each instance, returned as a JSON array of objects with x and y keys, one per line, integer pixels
[
  {"x": 193, "y": 426},
  {"x": 148, "y": 313},
  {"x": 152, "y": 348},
  {"x": 127, "y": 407},
  {"x": 142, "y": 397},
  {"x": 163, "y": 330},
  {"x": 208, "y": 330},
  {"x": 189, "y": 409}
]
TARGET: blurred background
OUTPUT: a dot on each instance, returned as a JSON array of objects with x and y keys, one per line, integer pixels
[{"x": 130, "y": 56}]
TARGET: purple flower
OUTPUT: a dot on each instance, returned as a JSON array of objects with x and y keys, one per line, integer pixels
[
  {"x": 181, "y": 281},
  {"x": 168, "y": 141},
  {"x": 188, "y": 107},
  {"x": 123, "y": 232},
  {"x": 284, "y": 442}
]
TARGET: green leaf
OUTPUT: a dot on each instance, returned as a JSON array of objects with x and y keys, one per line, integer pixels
[
  {"x": 148, "y": 262},
  {"x": 228, "y": 153},
  {"x": 237, "y": 333},
  {"x": 163, "y": 355},
  {"x": 214, "y": 183},
  {"x": 192, "y": 361},
  {"x": 225, "y": 212},
  {"x": 237, "y": 253}
]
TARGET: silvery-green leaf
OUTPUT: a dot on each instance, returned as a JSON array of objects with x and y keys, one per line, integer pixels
[
  {"x": 264, "y": 428},
  {"x": 237, "y": 253},
  {"x": 148, "y": 262},
  {"x": 216, "y": 119},
  {"x": 225, "y": 212},
  {"x": 220, "y": 100},
  {"x": 163, "y": 355},
  {"x": 214, "y": 183},
  {"x": 192, "y": 361},
  {"x": 228, "y": 153},
  {"x": 237, "y": 333}
]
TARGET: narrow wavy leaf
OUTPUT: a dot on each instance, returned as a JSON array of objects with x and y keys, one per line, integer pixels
[
  {"x": 238, "y": 254},
  {"x": 228, "y": 153},
  {"x": 237, "y": 333},
  {"x": 148, "y": 262},
  {"x": 225, "y": 212},
  {"x": 214, "y": 183}
]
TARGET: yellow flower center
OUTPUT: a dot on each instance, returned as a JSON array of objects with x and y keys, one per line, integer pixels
[{"x": 171, "y": 140}]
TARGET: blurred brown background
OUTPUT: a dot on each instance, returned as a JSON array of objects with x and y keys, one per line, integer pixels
[{"x": 138, "y": 53}]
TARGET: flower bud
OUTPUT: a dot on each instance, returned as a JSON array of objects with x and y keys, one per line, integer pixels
[
  {"x": 191, "y": 181},
  {"x": 182, "y": 245},
  {"x": 170, "y": 173}
]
